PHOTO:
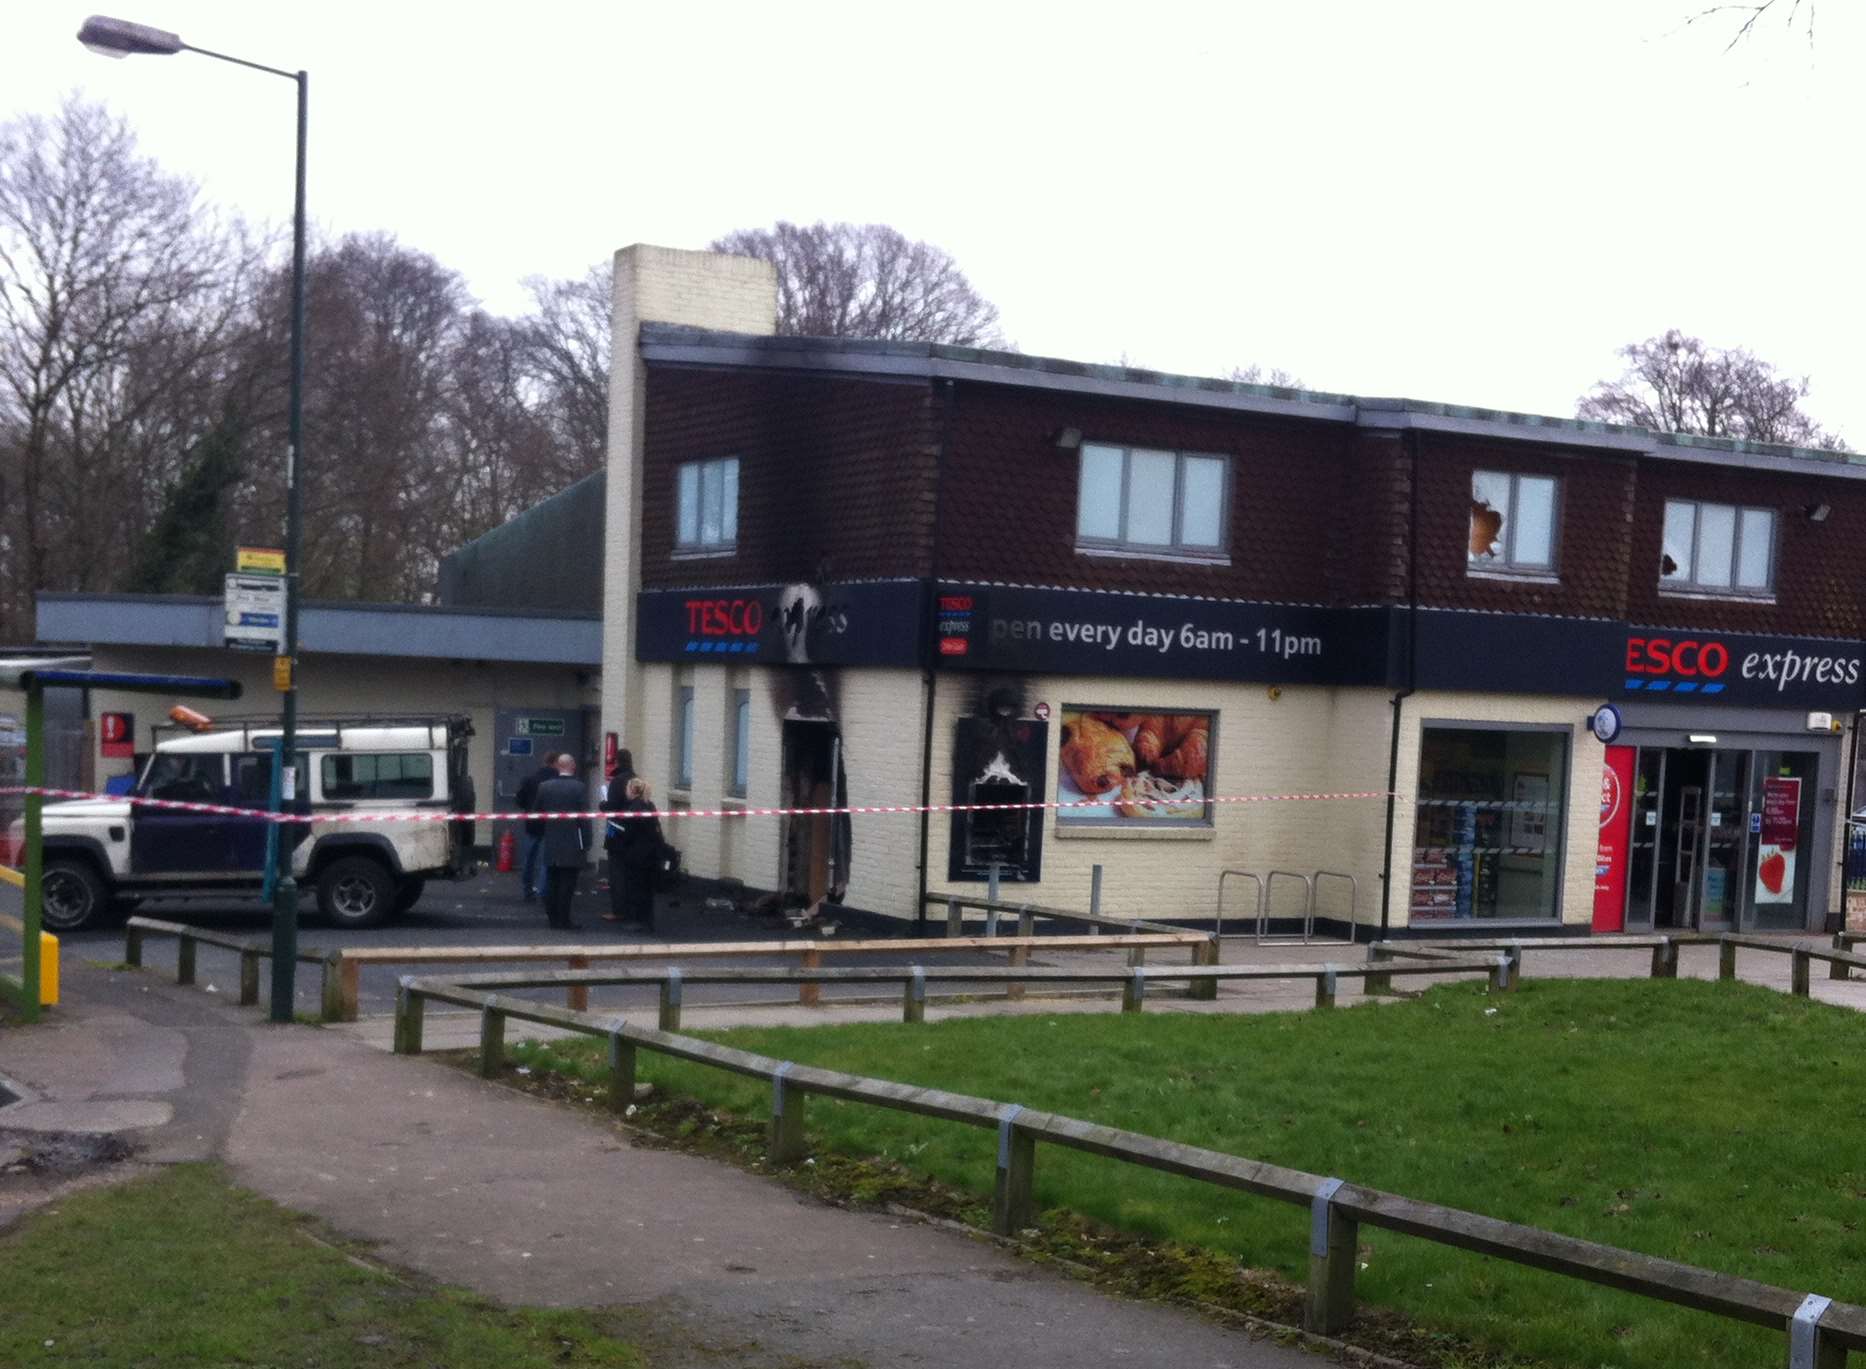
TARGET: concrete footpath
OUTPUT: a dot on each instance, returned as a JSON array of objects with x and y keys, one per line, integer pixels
[{"x": 531, "y": 1203}]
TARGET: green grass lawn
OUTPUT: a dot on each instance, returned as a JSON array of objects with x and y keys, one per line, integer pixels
[
  {"x": 1719, "y": 1124},
  {"x": 182, "y": 1269}
]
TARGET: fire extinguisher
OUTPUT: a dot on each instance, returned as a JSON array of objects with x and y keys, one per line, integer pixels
[{"x": 508, "y": 852}]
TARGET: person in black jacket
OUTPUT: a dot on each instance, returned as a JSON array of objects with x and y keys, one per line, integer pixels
[
  {"x": 634, "y": 845},
  {"x": 530, "y": 866},
  {"x": 566, "y": 841}
]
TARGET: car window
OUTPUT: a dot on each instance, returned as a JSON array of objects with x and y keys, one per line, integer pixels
[
  {"x": 252, "y": 777},
  {"x": 187, "y": 777},
  {"x": 378, "y": 775}
]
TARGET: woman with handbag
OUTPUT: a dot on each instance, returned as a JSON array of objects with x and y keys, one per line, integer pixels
[{"x": 634, "y": 845}]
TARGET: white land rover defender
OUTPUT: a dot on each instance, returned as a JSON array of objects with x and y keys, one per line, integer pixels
[{"x": 102, "y": 856}]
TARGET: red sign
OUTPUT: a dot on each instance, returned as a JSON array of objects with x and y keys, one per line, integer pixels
[
  {"x": 725, "y": 617},
  {"x": 116, "y": 734},
  {"x": 1781, "y": 827},
  {"x": 1688, "y": 658},
  {"x": 1616, "y": 829},
  {"x": 954, "y": 646}
]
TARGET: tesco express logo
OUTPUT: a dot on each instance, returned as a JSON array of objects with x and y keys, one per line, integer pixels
[{"x": 1689, "y": 665}]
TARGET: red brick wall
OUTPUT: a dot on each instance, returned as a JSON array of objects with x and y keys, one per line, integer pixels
[
  {"x": 1008, "y": 501},
  {"x": 1595, "y": 493},
  {"x": 835, "y": 475},
  {"x": 1820, "y": 567}
]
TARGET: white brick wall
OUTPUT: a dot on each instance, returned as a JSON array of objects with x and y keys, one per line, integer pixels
[{"x": 655, "y": 285}]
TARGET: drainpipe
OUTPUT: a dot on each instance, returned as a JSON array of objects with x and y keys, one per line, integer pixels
[
  {"x": 929, "y": 678},
  {"x": 1411, "y": 439},
  {"x": 1846, "y": 819}
]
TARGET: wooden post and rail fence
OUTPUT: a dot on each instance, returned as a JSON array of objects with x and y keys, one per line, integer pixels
[{"x": 1819, "y": 1331}]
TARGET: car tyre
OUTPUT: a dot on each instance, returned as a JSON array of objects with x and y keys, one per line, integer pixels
[
  {"x": 73, "y": 895},
  {"x": 408, "y": 893},
  {"x": 355, "y": 892}
]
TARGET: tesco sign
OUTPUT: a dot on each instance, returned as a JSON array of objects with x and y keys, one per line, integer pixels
[
  {"x": 1705, "y": 665},
  {"x": 725, "y": 617}
]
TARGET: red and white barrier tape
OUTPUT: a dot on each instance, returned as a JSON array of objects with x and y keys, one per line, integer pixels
[{"x": 259, "y": 814}]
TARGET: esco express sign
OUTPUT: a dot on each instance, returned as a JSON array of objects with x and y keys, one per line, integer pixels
[{"x": 1707, "y": 665}]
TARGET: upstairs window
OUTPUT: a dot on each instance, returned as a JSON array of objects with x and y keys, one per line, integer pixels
[
  {"x": 707, "y": 505},
  {"x": 1512, "y": 523},
  {"x": 1717, "y": 548},
  {"x": 1134, "y": 499}
]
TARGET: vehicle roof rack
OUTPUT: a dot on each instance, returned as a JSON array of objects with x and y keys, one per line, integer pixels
[{"x": 321, "y": 724}]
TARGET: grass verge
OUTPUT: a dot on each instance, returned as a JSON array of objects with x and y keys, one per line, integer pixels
[
  {"x": 1707, "y": 1122},
  {"x": 183, "y": 1269}
]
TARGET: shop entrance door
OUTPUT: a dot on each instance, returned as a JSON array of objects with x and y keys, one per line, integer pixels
[{"x": 1720, "y": 840}]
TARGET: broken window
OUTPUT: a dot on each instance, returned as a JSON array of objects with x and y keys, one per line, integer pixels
[
  {"x": 1512, "y": 522},
  {"x": 1717, "y": 547}
]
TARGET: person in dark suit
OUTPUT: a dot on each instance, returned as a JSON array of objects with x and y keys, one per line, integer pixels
[
  {"x": 566, "y": 840},
  {"x": 615, "y": 799},
  {"x": 635, "y": 859},
  {"x": 530, "y": 867}
]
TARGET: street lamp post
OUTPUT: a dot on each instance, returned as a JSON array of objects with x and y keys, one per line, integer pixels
[{"x": 120, "y": 38}]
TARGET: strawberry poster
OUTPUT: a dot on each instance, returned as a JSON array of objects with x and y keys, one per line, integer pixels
[{"x": 1775, "y": 856}]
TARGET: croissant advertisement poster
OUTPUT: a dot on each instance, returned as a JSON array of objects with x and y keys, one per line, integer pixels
[{"x": 1135, "y": 769}]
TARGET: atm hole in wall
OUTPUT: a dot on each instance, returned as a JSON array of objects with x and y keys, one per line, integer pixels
[{"x": 997, "y": 830}]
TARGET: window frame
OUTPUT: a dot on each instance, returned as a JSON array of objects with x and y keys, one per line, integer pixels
[
  {"x": 1689, "y": 584},
  {"x": 1177, "y": 549},
  {"x": 698, "y": 545},
  {"x": 739, "y": 756},
  {"x": 1507, "y": 565},
  {"x": 683, "y": 736}
]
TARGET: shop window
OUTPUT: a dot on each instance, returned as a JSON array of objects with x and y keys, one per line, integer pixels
[
  {"x": 683, "y": 737},
  {"x": 1491, "y": 812},
  {"x": 1513, "y": 522},
  {"x": 1118, "y": 768},
  {"x": 707, "y": 505},
  {"x": 1719, "y": 548},
  {"x": 1133, "y": 499},
  {"x": 379, "y": 776},
  {"x": 738, "y": 778}
]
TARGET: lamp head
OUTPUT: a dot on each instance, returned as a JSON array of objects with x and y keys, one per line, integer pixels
[{"x": 120, "y": 38}]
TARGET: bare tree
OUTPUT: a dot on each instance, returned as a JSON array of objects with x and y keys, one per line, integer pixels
[
  {"x": 868, "y": 281},
  {"x": 1746, "y": 17},
  {"x": 116, "y": 291},
  {"x": 1676, "y": 384},
  {"x": 566, "y": 347},
  {"x": 1257, "y": 374}
]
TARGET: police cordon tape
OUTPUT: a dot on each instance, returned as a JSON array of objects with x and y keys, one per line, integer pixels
[{"x": 262, "y": 815}]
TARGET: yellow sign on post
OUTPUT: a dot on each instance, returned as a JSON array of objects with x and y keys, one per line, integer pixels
[
  {"x": 281, "y": 673},
  {"x": 259, "y": 561}
]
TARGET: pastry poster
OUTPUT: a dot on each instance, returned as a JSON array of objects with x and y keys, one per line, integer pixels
[
  {"x": 1131, "y": 768},
  {"x": 1775, "y": 855}
]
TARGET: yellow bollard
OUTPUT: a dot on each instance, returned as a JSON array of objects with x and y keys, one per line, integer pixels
[{"x": 48, "y": 970}]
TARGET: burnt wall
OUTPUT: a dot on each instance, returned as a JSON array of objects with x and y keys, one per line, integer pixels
[{"x": 835, "y": 475}]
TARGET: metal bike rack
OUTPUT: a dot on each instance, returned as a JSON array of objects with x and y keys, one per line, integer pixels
[
  {"x": 1354, "y": 898},
  {"x": 1308, "y": 909},
  {"x": 1218, "y": 922}
]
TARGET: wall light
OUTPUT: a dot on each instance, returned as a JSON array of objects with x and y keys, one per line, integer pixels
[
  {"x": 1067, "y": 439},
  {"x": 1701, "y": 739},
  {"x": 1817, "y": 513}
]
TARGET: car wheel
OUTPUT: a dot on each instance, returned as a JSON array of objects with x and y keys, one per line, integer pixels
[
  {"x": 408, "y": 893},
  {"x": 72, "y": 895},
  {"x": 355, "y": 891}
]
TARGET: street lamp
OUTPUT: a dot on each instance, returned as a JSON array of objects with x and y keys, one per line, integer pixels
[{"x": 120, "y": 38}]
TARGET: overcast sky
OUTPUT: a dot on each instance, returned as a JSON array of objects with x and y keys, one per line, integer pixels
[{"x": 1467, "y": 202}]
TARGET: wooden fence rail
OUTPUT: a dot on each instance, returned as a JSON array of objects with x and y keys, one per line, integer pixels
[
  {"x": 1820, "y": 1332},
  {"x": 251, "y": 951},
  {"x": 1027, "y": 913},
  {"x": 914, "y": 979}
]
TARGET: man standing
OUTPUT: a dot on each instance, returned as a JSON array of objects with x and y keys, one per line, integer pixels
[
  {"x": 566, "y": 841},
  {"x": 530, "y": 873}
]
